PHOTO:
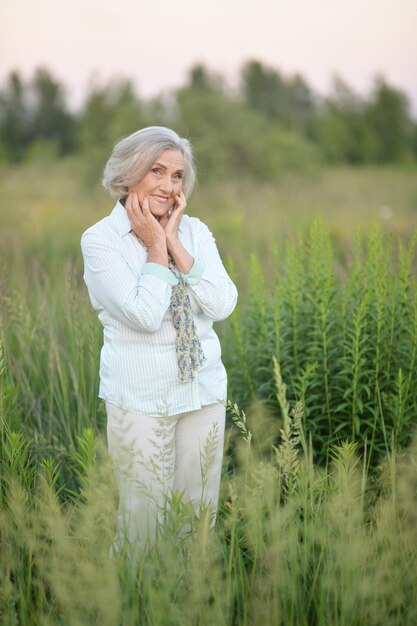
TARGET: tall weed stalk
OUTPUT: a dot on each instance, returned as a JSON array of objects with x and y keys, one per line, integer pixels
[{"x": 346, "y": 341}]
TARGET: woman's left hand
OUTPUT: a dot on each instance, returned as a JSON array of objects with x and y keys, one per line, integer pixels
[{"x": 171, "y": 223}]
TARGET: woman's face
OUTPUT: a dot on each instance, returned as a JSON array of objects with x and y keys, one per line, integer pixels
[{"x": 162, "y": 183}]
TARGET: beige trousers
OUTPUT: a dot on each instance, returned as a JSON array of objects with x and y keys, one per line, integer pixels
[{"x": 156, "y": 458}]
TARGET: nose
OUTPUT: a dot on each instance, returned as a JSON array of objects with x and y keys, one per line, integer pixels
[{"x": 166, "y": 184}]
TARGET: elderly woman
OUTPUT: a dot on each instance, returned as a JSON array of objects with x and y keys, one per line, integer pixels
[{"x": 155, "y": 277}]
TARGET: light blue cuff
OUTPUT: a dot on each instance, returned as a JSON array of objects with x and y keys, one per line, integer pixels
[
  {"x": 161, "y": 272},
  {"x": 195, "y": 274}
]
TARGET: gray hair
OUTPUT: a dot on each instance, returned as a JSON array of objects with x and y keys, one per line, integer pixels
[{"x": 133, "y": 157}]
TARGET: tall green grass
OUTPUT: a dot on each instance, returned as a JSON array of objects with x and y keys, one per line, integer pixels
[
  {"x": 345, "y": 338},
  {"x": 51, "y": 343},
  {"x": 294, "y": 544},
  {"x": 317, "y": 510}
]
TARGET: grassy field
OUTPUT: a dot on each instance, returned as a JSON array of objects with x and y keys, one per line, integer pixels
[
  {"x": 317, "y": 519},
  {"x": 46, "y": 207}
]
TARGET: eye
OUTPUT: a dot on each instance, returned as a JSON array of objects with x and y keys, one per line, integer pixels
[
  {"x": 156, "y": 170},
  {"x": 178, "y": 176}
]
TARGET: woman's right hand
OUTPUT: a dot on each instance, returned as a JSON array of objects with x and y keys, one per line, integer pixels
[{"x": 143, "y": 223}]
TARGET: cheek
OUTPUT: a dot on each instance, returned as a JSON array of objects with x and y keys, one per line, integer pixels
[
  {"x": 137, "y": 189},
  {"x": 142, "y": 187}
]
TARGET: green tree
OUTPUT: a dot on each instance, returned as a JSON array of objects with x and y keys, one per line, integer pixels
[
  {"x": 230, "y": 140},
  {"x": 414, "y": 139},
  {"x": 14, "y": 119},
  {"x": 265, "y": 91},
  {"x": 200, "y": 79},
  {"x": 342, "y": 130},
  {"x": 303, "y": 106},
  {"x": 289, "y": 102},
  {"x": 388, "y": 115},
  {"x": 109, "y": 113},
  {"x": 51, "y": 121}
]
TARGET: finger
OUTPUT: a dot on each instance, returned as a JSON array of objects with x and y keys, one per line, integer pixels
[
  {"x": 128, "y": 203},
  {"x": 135, "y": 203},
  {"x": 134, "y": 213},
  {"x": 181, "y": 199},
  {"x": 128, "y": 207},
  {"x": 145, "y": 205},
  {"x": 181, "y": 202}
]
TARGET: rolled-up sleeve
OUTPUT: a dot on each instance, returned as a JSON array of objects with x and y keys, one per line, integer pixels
[
  {"x": 208, "y": 280},
  {"x": 155, "y": 269},
  {"x": 141, "y": 301}
]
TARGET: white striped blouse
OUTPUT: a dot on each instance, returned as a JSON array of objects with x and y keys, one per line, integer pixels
[{"x": 138, "y": 363}]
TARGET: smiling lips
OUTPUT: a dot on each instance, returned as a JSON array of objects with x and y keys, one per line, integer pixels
[{"x": 161, "y": 199}]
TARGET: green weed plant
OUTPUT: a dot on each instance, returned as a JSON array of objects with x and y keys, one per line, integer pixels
[
  {"x": 294, "y": 544},
  {"x": 345, "y": 338},
  {"x": 317, "y": 515}
]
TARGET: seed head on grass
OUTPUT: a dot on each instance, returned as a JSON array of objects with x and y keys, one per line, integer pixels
[
  {"x": 287, "y": 453},
  {"x": 239, "y": 419}
]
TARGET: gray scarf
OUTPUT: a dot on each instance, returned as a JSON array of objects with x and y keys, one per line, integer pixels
[{"x": 190, "y": 355}]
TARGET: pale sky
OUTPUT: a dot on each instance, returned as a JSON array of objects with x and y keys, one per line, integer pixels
[{"x": 155, "y": 42}]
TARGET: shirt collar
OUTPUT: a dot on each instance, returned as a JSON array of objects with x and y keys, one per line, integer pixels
[
  {"x": 122, "y": 222},
  {"x": 121, "y": 219}
]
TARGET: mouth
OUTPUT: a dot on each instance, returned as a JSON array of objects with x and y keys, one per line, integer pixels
[{"x": 161, "y": 199}]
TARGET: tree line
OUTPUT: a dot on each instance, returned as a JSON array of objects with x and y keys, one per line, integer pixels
[{"x": 271, "y": 123}]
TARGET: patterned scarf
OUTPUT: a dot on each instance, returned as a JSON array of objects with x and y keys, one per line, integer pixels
[{"x": 190, "y": 355}]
